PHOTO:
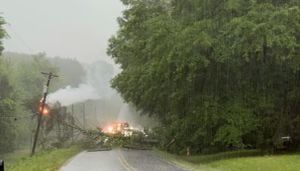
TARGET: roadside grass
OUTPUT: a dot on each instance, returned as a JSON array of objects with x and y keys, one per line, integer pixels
[
  {"x": 236, "y": 161},
  {"x": 50, "y": 160},
  {"x": 12, "y": 157}
]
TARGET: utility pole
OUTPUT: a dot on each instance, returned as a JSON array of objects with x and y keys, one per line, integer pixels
[
  {"x": 83, "y": 115},
  {"x": 40, "y": 113},
  {"x": 72, "y": 121}
]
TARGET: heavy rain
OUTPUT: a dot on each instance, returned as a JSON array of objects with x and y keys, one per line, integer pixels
[{"x": 146, "y": 85}]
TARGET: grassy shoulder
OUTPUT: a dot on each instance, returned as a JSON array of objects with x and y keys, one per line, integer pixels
[
  {"x": 236, "y": 161},
  {"x": 50, "y": 160}
]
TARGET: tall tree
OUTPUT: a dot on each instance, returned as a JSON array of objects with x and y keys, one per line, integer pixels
[
  {"x": 217, "y": 74},
  {"x": 7, "y": 103},
  {"x": 2, "y": 34}
]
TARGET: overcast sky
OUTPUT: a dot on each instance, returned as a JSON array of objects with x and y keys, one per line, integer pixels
[{"x": 66, "y": 28}]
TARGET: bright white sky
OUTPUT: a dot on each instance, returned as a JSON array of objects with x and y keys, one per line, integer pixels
[{"x": 67, "y": 28}]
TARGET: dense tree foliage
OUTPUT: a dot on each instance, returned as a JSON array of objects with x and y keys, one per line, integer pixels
[
  {"x": 2, "y": 33},
  {"x": 8, "y": 132},
  {"x": 218, "y": 74},
  {"x": 21, "y": 84},
  {"x": 8, "y": 112},
  {"x": 21, "y": 89}
]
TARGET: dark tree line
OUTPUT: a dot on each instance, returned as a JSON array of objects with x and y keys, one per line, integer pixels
[{"x": 217, "y": 74}]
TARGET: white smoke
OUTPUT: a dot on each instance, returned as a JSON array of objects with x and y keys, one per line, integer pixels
[
  {"x": 128, "y": 113},
  {"x": 69, "y": 95},
  {"x": 96, "y": 86},
  {"x": 125, "y": 113}
]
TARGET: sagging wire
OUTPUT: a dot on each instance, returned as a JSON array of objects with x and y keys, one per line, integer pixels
[{"x": 15, "y": 117}]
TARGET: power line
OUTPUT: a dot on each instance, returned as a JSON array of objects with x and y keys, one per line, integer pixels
[
  {"x": 18, "y": 117},
  {"x": 17, "y": 36}
]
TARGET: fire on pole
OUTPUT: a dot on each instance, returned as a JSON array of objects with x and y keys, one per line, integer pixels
[{"x": 42, "y": 110}]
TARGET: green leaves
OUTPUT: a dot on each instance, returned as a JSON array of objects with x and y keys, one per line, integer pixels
[
  {"x": 2, "y": 33},
  {"x": 237, "y": 121},
  {"x": 8, "y": 109},
  {"x": 214, "y": 73}
]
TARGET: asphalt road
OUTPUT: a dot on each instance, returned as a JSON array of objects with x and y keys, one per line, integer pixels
[{"x": 118, "y": 160}]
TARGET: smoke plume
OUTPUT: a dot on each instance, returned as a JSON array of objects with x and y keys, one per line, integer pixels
[
  {"x": 96, "y": 86},
  {"x": 69, "y": 95}
]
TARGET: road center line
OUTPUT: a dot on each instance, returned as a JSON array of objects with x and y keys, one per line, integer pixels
[{"x": 124, "y": 162}]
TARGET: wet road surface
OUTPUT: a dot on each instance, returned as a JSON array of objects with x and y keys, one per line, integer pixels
[{"x": 118, "y": 160}]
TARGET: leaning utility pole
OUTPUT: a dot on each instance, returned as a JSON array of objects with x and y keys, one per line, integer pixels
[
  {"x": 83, "y": 115},
  {"x": 40, "y": 113},
  {"x": 72, "y": 121}
]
